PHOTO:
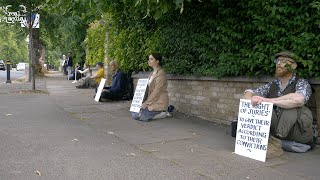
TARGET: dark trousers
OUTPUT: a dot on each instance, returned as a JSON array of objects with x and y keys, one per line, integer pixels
[
  {"x": 111, "y": 96},
  {"x": 65, "y": 70}
]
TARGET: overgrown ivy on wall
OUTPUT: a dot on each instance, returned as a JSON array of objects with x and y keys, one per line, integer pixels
[{"x": 217, "y": 38}]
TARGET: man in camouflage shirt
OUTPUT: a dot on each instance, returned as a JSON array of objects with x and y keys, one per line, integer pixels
[{"x": 291, "y": 119}]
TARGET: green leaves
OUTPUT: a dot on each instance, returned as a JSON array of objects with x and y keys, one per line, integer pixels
[
  {"x": 95, "y": 43},
  {"x": 13, "y": 45},
  {"x": 210, "y": 38}
]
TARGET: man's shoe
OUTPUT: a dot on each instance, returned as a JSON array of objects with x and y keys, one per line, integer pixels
[
  {"x": 104, "y": 100},
  {"x": 274, "y": 147}
]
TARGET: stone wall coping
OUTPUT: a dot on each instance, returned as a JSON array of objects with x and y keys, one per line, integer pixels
[{"x": 262, "y": 79}]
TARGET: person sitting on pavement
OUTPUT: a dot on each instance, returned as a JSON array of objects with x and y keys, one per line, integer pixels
[
  {"x": 86, "y": 70},
  {"x": 74, "y": 74},
  {"x": 83, "y": 73},
  {"x": 157, "y": 100},
  {"x": 117, "y": 89},
  {"x": 291, "y": 120},
  {"x": 93, "y": 81}
]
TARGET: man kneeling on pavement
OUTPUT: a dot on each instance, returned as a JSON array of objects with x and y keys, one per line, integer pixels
[
  {"x": 291, "y": 122},
  {"x": 117, "y": 89}
]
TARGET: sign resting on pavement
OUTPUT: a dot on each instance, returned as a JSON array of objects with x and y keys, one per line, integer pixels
[
  {"x": 253, "y": 129},
  {"x": 100, "y": 88},
  {"x": 139, "y": 95}
]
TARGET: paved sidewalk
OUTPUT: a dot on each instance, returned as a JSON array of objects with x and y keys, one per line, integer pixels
[
  {"x": 65, "y": 134},
  {"x": 19, "y": 85},
  {"x": 199, "y": 146}
]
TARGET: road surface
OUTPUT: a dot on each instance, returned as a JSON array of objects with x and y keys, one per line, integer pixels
[{"x": 14, "y": 75}]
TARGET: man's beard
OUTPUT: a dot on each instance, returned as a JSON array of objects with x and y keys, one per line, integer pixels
[{"x": 280, "y": 72}]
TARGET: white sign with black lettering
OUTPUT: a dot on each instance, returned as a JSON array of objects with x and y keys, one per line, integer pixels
[
  {"x": 139, "y": 95},
  {"x": 253, "y": 129},
  {"x": 100, "y": 88}
]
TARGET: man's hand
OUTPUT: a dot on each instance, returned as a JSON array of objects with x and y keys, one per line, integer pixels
[
  {"x": 105, "y": 90},
  {"x": 255, "y": 100}
]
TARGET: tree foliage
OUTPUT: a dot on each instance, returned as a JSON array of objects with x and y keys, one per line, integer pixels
[
  {"x": 13, "y": 45},
  {"x": 63, "y": 34},
  {"x": 211, "y": 38},
  {"x": 216, "y": 38}
]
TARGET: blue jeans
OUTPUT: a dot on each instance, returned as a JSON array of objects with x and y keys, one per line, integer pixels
[{"x": 145, "y": 115}]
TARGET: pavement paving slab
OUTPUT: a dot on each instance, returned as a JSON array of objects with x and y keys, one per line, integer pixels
[
  {"x": 65, "y": 134},
  {"x": 59, "y": 146}
]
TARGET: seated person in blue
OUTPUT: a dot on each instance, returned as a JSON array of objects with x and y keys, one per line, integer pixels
[
  {"x": 118, "y": 87},
  {"x": 291, "y": 119}
]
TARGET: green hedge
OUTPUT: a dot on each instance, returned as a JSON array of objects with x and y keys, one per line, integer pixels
[
  {"x": 217, "y": 38},
  {"x": 95, "y": 40}
]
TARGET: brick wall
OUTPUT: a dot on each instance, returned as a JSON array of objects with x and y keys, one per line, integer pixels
[{"x": 217, "y": 99}]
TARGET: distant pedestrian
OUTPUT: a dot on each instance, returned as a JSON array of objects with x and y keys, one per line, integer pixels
[
  {"x": 64, "y": 64},
  {"x": 69, "y": 64}
]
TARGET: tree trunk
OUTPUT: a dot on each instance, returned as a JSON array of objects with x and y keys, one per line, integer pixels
[{"x": 36, "y": 50}]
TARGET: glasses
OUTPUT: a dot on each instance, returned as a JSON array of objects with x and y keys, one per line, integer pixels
[{"x": 283, "y": 61}]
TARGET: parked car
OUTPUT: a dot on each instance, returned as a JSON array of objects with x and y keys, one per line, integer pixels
[
  {"x": 2, "y": 65},
  {"x": 21, "y": 66},
  {"x": 13, "y": 66}
]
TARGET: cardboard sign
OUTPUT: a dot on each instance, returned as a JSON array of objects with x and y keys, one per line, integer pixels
[
  {"x": 253, "y": 130},
  {"x": 139, "y": 95},
  {"x": 100, "y": 88}
]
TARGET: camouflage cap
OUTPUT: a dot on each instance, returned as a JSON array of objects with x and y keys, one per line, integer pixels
[{"x": 287, "y": 54}]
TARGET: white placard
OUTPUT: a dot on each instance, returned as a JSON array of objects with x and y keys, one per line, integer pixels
[
  {"x": 100, "y": 88},
  {"x": 253, "y": 129},
  {"x": 139, "y": 95},
  {"x": 36, "y": 22}
]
